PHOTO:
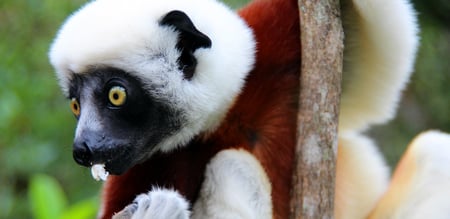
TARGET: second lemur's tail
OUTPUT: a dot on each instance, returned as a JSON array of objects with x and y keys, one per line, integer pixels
[{"x": 381, "y": 42}]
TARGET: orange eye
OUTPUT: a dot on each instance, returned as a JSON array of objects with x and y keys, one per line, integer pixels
[
  {"x": 75, "y": 106},
  {"x": 117, "y": 96}
]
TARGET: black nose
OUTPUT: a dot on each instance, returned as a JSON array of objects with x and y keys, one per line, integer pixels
[{"x": 82, "y": 153}]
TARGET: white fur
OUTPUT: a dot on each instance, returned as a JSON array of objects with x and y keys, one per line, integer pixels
[
  {"x": 126, "y": 35},
  {"x": 235, "y": 186},
  {"x": 381, "y": 42},
  {"x": 362, "y": 177},
  {"x": 89, "y": 116},
  {"x": 157, "y": 204},
  {"x": 421, "y": 187}
]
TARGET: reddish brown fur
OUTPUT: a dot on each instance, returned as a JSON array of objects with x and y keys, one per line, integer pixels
[{"x": 263, "y": 119}]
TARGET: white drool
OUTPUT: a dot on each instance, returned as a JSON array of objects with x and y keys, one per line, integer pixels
[{"x": 98, "y": 172}]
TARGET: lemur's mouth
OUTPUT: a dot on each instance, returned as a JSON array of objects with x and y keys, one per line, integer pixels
[
  {"x": 119, "y": 164},
  {"x": 113, "y": 159},
  {"x": 113, "y": 152}
]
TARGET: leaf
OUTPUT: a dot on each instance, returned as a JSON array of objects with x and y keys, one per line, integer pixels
[
  {"x": 85, "y": 209},
  {"x": 47, "y": 198}
]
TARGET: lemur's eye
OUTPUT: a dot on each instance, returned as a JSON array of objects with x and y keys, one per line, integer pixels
[
  {"x": 117, "y": 96},
  {"x": 75, "y": 106}
]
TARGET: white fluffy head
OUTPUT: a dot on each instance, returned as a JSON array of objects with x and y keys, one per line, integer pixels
[{"x": 126, "y": 34}]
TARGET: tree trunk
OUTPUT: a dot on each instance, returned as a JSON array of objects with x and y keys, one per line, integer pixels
[{"x": 320, "y": 87}]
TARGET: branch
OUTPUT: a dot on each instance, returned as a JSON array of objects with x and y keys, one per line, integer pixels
[{"x": 320, "y": 86}]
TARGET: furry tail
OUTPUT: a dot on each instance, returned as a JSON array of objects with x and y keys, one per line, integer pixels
[
  {"x": 361, "y": 178},
  {"x": 381, "y": 41},
  {"x": 421, "y": 182}
]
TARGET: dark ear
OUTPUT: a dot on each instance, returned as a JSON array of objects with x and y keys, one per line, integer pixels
[{"x": 189, "y": 40}]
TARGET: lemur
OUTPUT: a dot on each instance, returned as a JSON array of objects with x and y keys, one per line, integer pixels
[{"x": 191, "y": 106}]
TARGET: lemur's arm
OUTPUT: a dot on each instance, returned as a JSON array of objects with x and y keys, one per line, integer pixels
[
  {"x": 380, "y": 46},
  {"x": 235, "y": 186}
]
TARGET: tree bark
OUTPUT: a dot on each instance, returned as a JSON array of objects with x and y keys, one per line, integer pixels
[{"x": 317, "y": 122}]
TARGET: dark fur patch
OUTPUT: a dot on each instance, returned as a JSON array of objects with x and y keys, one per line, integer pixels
[
  {"x": 189, "y": 40},
  {"x": 129, "y": 131}
]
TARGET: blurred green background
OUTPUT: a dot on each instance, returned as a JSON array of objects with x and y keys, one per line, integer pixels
[{"x": 36, "y": 125}]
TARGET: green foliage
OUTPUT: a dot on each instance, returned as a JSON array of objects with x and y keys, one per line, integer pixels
[
  {"x": 47, "y": 197},
  {"x": 36, "y": 126},
  {"x": 84, "y": 209},
  {"x": 48, "y": 201}
]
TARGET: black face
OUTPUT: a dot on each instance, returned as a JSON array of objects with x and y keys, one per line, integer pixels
[{"x": 119, "y": 122}]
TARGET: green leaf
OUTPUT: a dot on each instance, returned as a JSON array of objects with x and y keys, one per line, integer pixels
[
  {"x": 47, "y": 197},
  {"x": 85, "y": 209}
]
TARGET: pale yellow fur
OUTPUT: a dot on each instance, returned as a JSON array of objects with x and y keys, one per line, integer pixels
[
  {"x": 420, "y": 186},
  {"x": 380, "y": 48}
]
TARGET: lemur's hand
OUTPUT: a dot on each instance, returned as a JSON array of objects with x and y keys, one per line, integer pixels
[{"x": 156, "y": 204}]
